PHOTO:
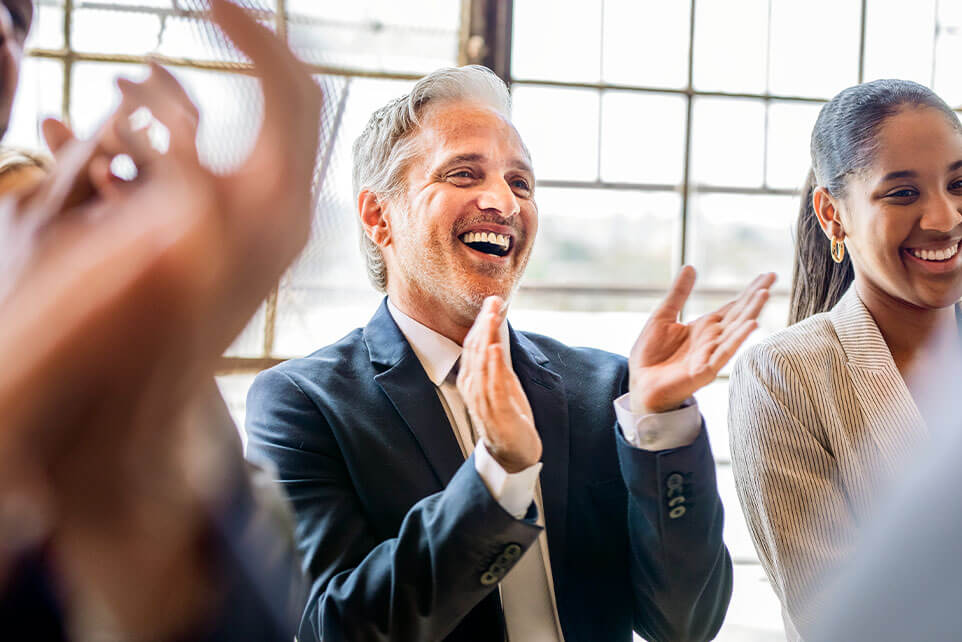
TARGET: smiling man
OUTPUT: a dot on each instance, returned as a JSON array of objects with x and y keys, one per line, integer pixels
[{"x": 456, "y": 479}]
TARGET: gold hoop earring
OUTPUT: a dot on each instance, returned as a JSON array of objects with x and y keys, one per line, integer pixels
[{"x": 838, "y": 249}]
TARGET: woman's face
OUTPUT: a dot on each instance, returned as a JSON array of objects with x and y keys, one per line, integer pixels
[{"x": 901, "y": 216}]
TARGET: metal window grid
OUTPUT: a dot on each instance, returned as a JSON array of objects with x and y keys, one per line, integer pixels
[{"x": 485, "y": 35}]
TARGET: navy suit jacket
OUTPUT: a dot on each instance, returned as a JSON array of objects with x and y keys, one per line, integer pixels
[{"x": 401, "y": 539}]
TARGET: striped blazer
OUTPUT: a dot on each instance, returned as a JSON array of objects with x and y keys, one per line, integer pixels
[{"x": 820, "y": 419}]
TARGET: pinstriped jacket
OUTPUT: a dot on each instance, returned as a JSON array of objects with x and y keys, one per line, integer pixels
[{"x": 820, "y": 420}]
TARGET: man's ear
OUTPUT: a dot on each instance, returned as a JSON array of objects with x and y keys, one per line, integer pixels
[
  {"x": 376, "y": 224},
  {"x": 829, "y": 217}
]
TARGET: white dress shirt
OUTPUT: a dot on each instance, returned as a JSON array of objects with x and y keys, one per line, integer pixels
[{"x": 527, "y": 591}]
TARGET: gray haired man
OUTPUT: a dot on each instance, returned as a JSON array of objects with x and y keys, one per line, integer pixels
[{"x": 456, "y": 479}]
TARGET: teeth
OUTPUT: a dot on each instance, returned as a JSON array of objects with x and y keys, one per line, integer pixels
[
  {"x": 487, "y": 237},
  {"x": 943, "y": 254}
]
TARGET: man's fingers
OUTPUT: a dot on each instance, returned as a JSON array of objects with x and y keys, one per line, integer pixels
[
  {"x": 675, "y": 300},
  {"x": 750, "y": 311},
  {"x": 746, "y": 297},
  {"x": 726, "y": 350}
]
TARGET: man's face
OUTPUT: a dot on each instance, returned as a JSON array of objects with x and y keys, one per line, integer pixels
[
  {"x": 15, "y": 19},
  {"x": 466, "y": 224}
]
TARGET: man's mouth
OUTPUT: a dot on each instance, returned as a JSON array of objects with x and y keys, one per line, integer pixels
[
  {"x": 935, "y": 255},
  {"x": 488, "y": 242}
]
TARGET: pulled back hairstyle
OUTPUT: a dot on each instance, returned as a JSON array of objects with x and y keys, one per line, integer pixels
[{"x": 844, "y": 142}]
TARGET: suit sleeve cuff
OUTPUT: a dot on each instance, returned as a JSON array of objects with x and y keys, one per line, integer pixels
[
  {"x": 513, "y": 491},
  {"x": 659, "y": 431}
]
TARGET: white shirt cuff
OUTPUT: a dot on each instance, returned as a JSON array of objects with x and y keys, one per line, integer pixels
[
  {"x": 513, "y": 491},
  {"x": 661, "y": 430}
]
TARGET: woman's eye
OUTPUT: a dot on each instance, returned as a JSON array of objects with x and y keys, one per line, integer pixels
[
  {"x": 957, "y": 185},
  {"x": 521, "y": 184},
  {"x": 902, "y": 193}
]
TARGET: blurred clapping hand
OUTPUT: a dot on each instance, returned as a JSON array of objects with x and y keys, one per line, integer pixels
[{"x": 117, "y": 298}]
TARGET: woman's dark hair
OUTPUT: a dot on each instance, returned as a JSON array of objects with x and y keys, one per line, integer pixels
[{"x": 843, "y": 142}]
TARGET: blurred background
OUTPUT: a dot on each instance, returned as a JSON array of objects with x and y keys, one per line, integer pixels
[{"x": 662, "y": 133}]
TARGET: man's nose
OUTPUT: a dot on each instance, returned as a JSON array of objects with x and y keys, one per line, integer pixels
[{"x": 498, "y": 195}]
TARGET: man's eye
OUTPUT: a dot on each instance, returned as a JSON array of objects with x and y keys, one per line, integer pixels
[
  {"x": 520, "y": 183},
  {"x": 957, "y": 185}
]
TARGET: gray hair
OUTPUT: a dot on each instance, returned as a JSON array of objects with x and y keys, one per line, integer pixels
[{"x": 386, "y": 146}]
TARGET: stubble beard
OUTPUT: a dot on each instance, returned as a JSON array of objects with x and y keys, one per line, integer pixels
[{"x": 453, "y": 286}]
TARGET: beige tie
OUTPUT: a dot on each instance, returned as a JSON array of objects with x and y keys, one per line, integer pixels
[{"x": 526, "y": 597}]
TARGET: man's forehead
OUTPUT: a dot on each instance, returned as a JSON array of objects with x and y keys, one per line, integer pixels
[{"x": 463, "y": 129}]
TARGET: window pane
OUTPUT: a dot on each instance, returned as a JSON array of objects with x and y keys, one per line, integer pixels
[
  {"x": 605, "y": 237},
  {"x": 899, "y": 42},
  {"x": 728, "y": 61},
  {"x": 948, "y": 82},
  {"x": 642, "y": 137},
  {"x": 115, "y": 32},
  {"x": 47, "y": 29},
  {"x": 713, "y": 404},
  {"x": 230, "y": 106},
  {"x": 95, "y": 94},
  {"x": 646, "y": 42},
  {"x": 550, "y": 43},
  {"x": 415, "y": 36},
  {"x": 789, "y": 135},
  {"x": 737, "y": 537},
  {"x": 560, "y": 128},
  {"x": 755, "y": 614},
  {"x": 250, "y": 342},
  {"x": 734, "y": 237},
  {"x": 728, "y": 141},
  {"x": 594, "y": 319},
  {"x": 39, "y": 95},
  {"x": 801, "y": 68},
  {"x": 140, "y": 30},
  {"x": 326, "y": 293},
  {"x": 233, "y": 388}
]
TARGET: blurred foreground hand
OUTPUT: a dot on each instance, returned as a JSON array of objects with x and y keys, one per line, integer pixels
[{"x": 121, "y": 299}]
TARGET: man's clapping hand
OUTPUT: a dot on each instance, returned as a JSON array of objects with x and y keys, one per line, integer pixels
[{"x": 493, "y": 395}]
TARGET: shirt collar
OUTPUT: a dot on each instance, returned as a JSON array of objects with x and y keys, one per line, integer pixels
[{"x": 436, "y": 352}]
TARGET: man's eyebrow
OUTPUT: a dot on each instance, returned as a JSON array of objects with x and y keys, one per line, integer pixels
[
  {"x": 956, "y": 165},
  {"x": 524, "y": 166},
  {"x": 463, "y": 158}
]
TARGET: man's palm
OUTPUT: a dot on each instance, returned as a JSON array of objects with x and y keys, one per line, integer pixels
[{"x": 671, "y": 360}]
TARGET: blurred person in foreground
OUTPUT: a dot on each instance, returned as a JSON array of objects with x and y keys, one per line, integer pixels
[
  {"x": 454, "y": 478},
  {"x": 22, "y": 170},
  {"x": 827, "y": 413},
  {"x": 125, "y": 504}
]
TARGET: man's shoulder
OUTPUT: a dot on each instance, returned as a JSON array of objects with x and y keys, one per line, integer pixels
[{"x": 342, "y": 360}]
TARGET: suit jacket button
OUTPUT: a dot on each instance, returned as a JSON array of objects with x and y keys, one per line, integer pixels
[
  {"x": 675, "y": 480},
  {"x": 512, "y": 551},
  {"x": 489, "y": 578}
]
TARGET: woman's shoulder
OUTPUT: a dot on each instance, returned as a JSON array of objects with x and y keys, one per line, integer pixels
[{"x": 807, "y": 349}]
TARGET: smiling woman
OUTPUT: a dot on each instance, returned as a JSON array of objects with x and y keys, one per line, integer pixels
[{"x": 823, "y": 413}]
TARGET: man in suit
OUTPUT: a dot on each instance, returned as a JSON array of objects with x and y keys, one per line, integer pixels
[{"x": 454, "y": 478}]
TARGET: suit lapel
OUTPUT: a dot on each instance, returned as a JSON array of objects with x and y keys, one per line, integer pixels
[
  {"x": 412, "y": 394},
  {"x": 892, "y": 419},
  {"x": 546, "y": 394}
]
